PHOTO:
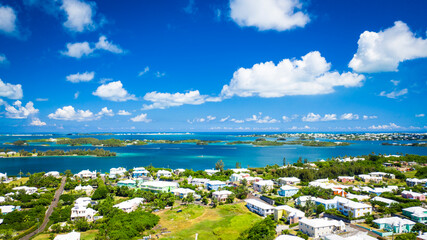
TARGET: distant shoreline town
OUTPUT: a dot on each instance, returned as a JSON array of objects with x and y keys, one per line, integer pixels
[{"x": 366, "y": 197}]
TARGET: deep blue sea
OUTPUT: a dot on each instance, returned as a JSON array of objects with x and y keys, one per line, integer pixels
[{"x": 189, "y": 156}]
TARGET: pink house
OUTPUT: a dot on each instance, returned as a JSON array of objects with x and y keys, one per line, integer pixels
[{"x": 413, "y": 195}]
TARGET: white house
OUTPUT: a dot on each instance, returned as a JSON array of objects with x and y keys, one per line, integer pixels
[
  {"x": 28, "y": 190},
  {"x": 3, "y": 177},
  {"x": 384, "y": 200},
  {"x": 211, "y": 172},
  {"x": 318, "y": 227},
  {"x": 88, "y": 189},
  {"x": 182, "y": 192},
  {"x": 83, "y": 201},
  {"x": 68, "y": 236},
  {"x": 5, "y": 209},
  {"x": 369, "y": 178},
  {"x": 415, "y": 181},
  {"x": 178, "y": 171},
  {"x": 198, "y": 181},
  {"x": 86, "y": 174},
  {"x": 130, "y": 205},
  {"x": 259, "y": 207},
  {"x": 293, "y": 215},
  {"x": 289, "y": 180},
  {"x": 221, "y": 196},
  {"x": 163, "y": 173},
  {"x": 78, "y": 212},
  {"x": 301, "y": 201},
  {"x": 240, "y": 170},
  {"x": 117, "y": 172},
  {"x": 382, "y": 174},
  {"x": 237, "y": 177},
  {"x": 264, "y": 184},
  {"x": 357, "y": 209},
  {"x": 52, "y": 173},
  {"x": 357, "y": 197},
  {"x": 356, "y": 236},
  {"x": 395, "y": 224}
]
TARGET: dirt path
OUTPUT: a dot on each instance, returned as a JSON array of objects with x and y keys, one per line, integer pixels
[{"x": 49, "y": 211}]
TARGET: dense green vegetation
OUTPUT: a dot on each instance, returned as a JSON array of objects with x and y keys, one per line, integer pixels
[
  {"x": 263, "y": 230},
  {"x": 58, "y": 152}
]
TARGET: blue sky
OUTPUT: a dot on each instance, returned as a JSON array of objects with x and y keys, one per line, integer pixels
[{"x": 193, "y": 65}]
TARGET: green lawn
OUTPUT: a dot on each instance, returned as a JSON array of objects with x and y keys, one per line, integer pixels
[
  {"x": 410, "y": 174},
  {"x": 223, "y": 222}
]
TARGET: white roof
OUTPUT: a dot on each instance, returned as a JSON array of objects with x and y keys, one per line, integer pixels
[
  {"x": 129, "y": 203},
  {"x": 352, "y": 204},
  {"x": 265, "y": 183},
  {"x": 358, "y": 197},
  {"x": 357, "y": 236},
  {"x": 216, "y": 182},
  {"x": 69, "y": 236},
  {"x": 160, "y": 184},
  {"x": 259, "y": 204},
  {"x": 321, "y": 222},
  {"x": 239, "y": 170},
  {"x": 384, "y": 200},
  {"x": 223, "y": 192},
  {"x": 415, "y": 194},
  {"x": 395, "y": 221},
  {"x": 417, "y": 211},
  {"x": 293, "y": 179},
  {"x": 163, "y": 172},
  {"x": 291, "y": 210},
  {"x": 183, "y": 190},
  {"x": 287, "y": 187},
  {"x": 7, "y": 208},
  {"x": 288, "y": 237},
  {"x": 128, "y": 181}
]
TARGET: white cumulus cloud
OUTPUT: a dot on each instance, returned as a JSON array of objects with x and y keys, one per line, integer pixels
[
  {"x": 80, "y": 49},
  {"x": 79, "y": 15},
  {"x": 113, "y": 91},
  {"x": 105, "y": 111},
  {"x": 123, "y": 113},
  {"x": 68, "y": 113},
  {"x": 10, "y": 91},
  {"x": 7, "y": 20},
  {"x": 279, "y": 15},
  {"x": 166, "y": 100},
  {"x": 141, "y": 118},
  {"x": 81, "y": 77},
  {"x": 37, "y": 122},
  {"x": 383, "y": 51},
  {"x": 311, "y": 117},
  {"x": 18, "y": 111},
  {"x": 390, "y": 126},
  {"x": 420, "y": 115},
  {"x": 365, "y": 117},
  {"x": 309, "y": 76},
  {"x": 394, "y": 94},
  {"x": 349, "y": 116}
]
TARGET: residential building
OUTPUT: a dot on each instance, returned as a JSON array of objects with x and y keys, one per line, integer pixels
[
  {"x": 350, "y": 236},
  {"x": 28, "y": 190},
  {"x": 288, "y": 191},
  {"x": 3, "y": 177},
  {"x": 215, "y": 185},
  {"x": 198, "y": 181},
  {"x": 163, "y": 173},
  {"x": 86, "y": 174},
  {"x": 318, "y": 227},
  {"x": 130, "y": 205},
  {"x": 127, "y": 183},
  {"x": 5, "y": 209},
  {"x": 2, "y": 199},
  {"x": 211, "y": 172},
  {"x": 183, "y": 192},
  {"x": 88, "y": 189},
  {"x": 415, "y": 181},
  {"x": 413, "y": 195},
  {"x": 159, "y": 186},
  {"x": 345, "y": 179},
  {"x": 259, "y": 207},
  {"x": 221, "y": 196},
  {"x": 237, "y": 177},
  {"x": 140, "y": 172},
  {"x": 356, "y": 209},
  {"x": 379, "y": 191},
  {"x": 417, "y": 214},
  {"x": 293, "y": 215},
  {"x": 369, "y": 178},
  {"x": 394, "y": 224},
  {"x": 251, "y": 180},
  {"x": 68, "y": 236},
  {"x": 240, "y": 170},
  {"x": 84, "y": 201},
  {"x": 382, "y": 174},
  {"x": 78, "y": 212},
  {"x": 117, "y": 172},
  {"x": 289, "y": 180},
  {"x": 263, "y": 185},
  {"x": 178, "y": 171},
  {"x": 384, "y": 200},
  {"x": 357, "y": 197},
  {"x": 301, "y": 201},
  {"x": 52, "y": 173}
]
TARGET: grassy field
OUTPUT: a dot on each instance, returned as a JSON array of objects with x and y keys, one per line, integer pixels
[
  {"x": 410, "y": 174},
  {"x": 223, "y": 222},
  {"x": 19, "y": 181},
  {"x": 88, "y": 235}
]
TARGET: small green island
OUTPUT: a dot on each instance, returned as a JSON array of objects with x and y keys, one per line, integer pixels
[{"x": 98, "y": 152}]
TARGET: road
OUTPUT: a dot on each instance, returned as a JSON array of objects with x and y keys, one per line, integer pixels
[{"x": 49, "y": 211}]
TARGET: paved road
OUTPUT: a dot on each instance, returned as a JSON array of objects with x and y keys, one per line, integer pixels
[{"x": 49, "y": 211}]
